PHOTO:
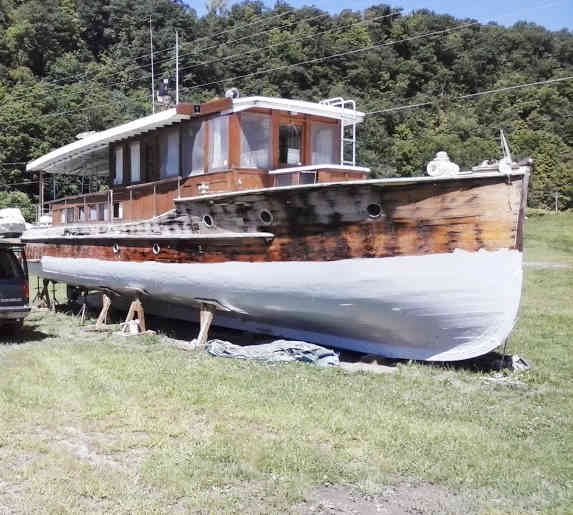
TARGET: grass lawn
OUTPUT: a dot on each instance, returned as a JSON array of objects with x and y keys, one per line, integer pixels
[
  {"x": 93, "y": 423},
  {"x": 550, "y": 238}
]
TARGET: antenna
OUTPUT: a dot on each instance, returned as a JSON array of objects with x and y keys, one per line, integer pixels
[
  {"x": 152, "y": 71},
  {"x": 176, "y": 67}
]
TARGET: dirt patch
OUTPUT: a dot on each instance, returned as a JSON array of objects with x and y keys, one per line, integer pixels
[
  {"x": 100, "y": 449},
  {"x": 403, "y": 498},
  {"x": 9, "y": 495}
]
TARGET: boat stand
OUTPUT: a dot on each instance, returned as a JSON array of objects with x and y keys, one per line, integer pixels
[
  {"x": 103, "y": 314},
  {"x": 42, "y": 299},
  {"x": 206, "y": 318},
  {"x": 135, "y": 308}
]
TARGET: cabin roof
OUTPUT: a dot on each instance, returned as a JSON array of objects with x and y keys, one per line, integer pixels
[
  {"x": 89, "y": 155},
  {"x": 348, "y": 116}
]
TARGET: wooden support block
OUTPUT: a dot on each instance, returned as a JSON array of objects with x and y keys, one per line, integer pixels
[
  {"x": 82, "y": 313},
  {"x": 102, "y": 318},
  {"x": 136, "y": 307},
  {"x": 206, "y": 317}
]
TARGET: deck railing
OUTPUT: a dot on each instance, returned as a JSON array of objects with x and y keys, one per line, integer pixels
[{"x": 126, "y": 203}]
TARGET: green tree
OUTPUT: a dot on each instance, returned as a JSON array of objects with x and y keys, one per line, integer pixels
[
  {"x": 17, "y": 199},
  {"x": 41, "y": 31}
]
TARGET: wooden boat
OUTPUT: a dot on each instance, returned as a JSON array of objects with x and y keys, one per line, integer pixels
[{"x": 255, "y": 206}]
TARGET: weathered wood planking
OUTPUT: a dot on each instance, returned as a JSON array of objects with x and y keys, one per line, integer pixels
[{"x": 321, "y": 224}]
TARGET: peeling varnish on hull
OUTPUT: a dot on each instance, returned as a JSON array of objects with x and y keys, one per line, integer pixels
[{"x": 326, "y": 225}]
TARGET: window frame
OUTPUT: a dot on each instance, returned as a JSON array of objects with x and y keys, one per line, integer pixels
[
  {"x": 241, "y": 138},
  {"x": 334, "y": 125},
  {"x": 226, "y": 162},
  {"x": 163, "y": 137},
  {"x": 203, "y": 130}
]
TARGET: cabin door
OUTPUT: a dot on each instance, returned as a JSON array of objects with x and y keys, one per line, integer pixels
[{"x": 291, "y": 141}]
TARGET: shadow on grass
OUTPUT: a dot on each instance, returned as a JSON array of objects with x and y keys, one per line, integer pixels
[
  {"x": 26, "y": 334},
  {"x": 186, "y": 331},
  {"x": 490, "y": 362}
]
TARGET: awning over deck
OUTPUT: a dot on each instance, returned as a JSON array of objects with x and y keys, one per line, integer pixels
[{"x": 89, "y": 156}]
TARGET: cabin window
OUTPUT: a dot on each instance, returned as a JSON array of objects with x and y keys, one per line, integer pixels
[
  {"x": 284, "y": 179},
  {"x": 290, "y": 145},
  {"x": 118, "y": 155},
  {"x": 69, "y": 215},
  {"x": 194, "y": 148},
  {"x": 169, "y": 152},
  {"x": 324, "y": 138},
  {"x": 256, "y": 140},
  {"x": 82, "y": 214},
  {"x": 135, "y": 160},
  {"x": 149, "y": 159},
  {"x": 219, "y": 143},
  {"x": 307, "y": 178},
  {"x": 93, "y": 212}
]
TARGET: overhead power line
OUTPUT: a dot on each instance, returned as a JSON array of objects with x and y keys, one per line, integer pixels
[
  {"x": 287, "y": 41},
  {"x": 338, "y": 54},
  {"x": 224, "y": 43},
  {"x": 3, "y": 185},
  {"x": 350, "y": 52},
  {"x": 430, "y": 34},
  {"x": 258, "y": 20},
  {"x": 233, "y": 56},
  {"x": 290, "y": 24},
  {"x": 472, "y": 95},
  {"x": 84, "y": 75}
]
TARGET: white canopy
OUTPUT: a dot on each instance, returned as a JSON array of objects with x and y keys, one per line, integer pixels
[{"x": 89, "y": 156}]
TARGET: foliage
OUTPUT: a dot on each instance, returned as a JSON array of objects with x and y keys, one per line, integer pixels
[
  {"x": 18, "y": 200},
  {"x": 68, "y": 66}
]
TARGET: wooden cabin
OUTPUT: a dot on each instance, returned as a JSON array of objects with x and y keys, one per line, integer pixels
[{"x": 196, "y": 149}]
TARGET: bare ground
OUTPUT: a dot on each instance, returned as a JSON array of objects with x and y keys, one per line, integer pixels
[{"x": 402, "y": 498}]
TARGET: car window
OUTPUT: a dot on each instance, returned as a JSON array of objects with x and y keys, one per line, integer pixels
[{"x": 9, "y": 266}]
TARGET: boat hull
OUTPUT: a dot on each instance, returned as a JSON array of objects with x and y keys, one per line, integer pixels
[
  {"x": 413, "y": 268},
  {"x": 436, "y": 307}
]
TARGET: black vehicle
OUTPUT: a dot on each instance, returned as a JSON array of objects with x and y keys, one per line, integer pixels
[{"x": 13, "y": 284}]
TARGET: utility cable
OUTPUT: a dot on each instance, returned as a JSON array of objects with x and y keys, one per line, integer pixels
[
  {"x": 201, "y": 50},
  {"x": 472, "y": 95},
  {"x": 411, "y": 38},
  {"x": 339, "y": 54},
  {"x": 84, "y": 75},
  {"x": 293, "y": 40}
]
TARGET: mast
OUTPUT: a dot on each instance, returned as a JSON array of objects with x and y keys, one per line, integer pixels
[
  {"x": 41, "y": 196},
  {"x": 176, "y": 67},
  {"x": 152, "y": 70}
]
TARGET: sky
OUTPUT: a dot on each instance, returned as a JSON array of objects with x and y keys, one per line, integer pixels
[{"x": 552, "y": 14}]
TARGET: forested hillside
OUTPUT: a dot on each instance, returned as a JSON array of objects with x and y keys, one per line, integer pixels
[{"x": 69, "y": 66}]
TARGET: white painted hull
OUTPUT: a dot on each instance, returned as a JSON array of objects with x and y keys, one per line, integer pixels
[{"x": 439, "y": 307}]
